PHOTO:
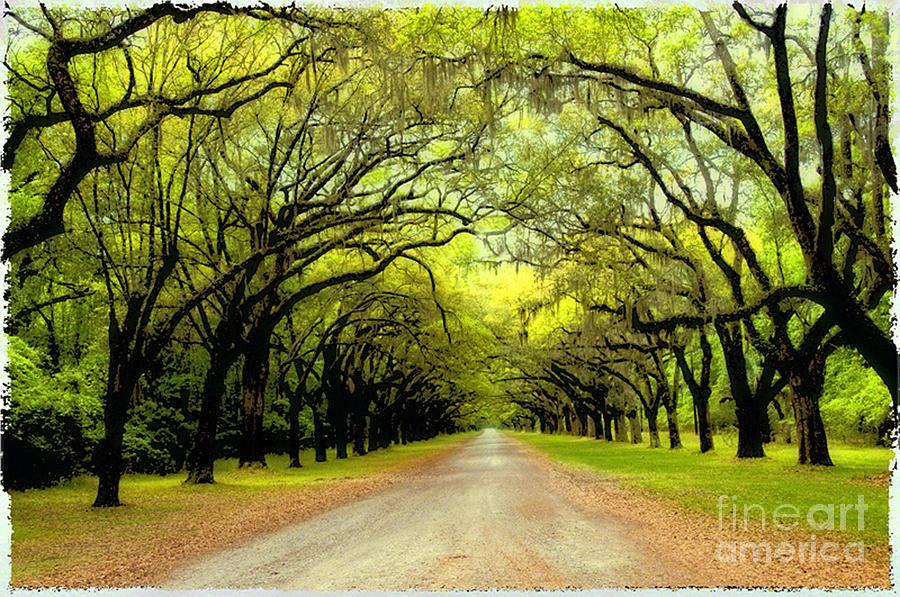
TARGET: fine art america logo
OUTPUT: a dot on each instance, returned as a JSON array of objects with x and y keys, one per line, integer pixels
[{"x": 786, "y": 517}]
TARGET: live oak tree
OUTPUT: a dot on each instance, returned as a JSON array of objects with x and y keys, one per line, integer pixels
[
  {"x": 87, "y": 76},
  {"x": 192, "y": 83},
  {"x": 820, "y": 216},
  {"x": 271, "y": 208},
  {"x": 638, "y": 86},
  {"x": 336, "y": 176}
]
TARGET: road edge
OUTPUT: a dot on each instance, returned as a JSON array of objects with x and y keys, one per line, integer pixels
[{"x": 646, "y": 514}]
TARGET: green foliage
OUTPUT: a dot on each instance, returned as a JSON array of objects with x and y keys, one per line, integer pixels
[
  {"x": 855, "y": 403},
  {"x": 147, "y": 451},
  {"x": 50, "y": 429},
  {"x": 162, "y": 421},
  {"x": 431, "y": 119}
]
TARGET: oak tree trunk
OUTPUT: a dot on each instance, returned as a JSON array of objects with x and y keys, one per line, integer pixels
[
  {"x": 203, "y": 452},
  {"x": 607, "y": 425},
  {"x": 255, "y": 376},
  {"x": 806, "y": 387},
  {"x": 373, "y": 432},
  {"x": 674, "y": 434},
  {"x": 746, "y": 408},
  {"x": 653, "y": 428},
  {"x": 635, "y": 426},
  {"x": 119, "y": 388},
  {"x": 621, "y": 431},
  {"x": 319, "y": 441},
  {"x": 359, "y": 426},
  {"x": 294, "y": 403},
  {"x": 338, "y": 418},
  {"x": 704, "y": 428}
]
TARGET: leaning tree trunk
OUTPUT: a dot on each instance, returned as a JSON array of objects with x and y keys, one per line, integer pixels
[
  {"x": 874, "y": 344},
  {"x": 255, "y": 376}
]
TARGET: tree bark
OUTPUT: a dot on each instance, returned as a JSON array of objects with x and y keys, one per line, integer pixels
[
  {"x": 255, "y": 376},
  {"x": 750, "y": 444},
  {"x": 119, "y": 388},
  {"x": 672, "y": 419},
  {"x": 203, "y": 452},
  {"x": 704, "y": 427},
  {"x": 607, "y": 425},
  {"x": 621, "y": 430},
  {"x": 319, "y": 442},
  {"x": 746, "y": 408},
  {"x": 294, "y": 403},
  {"x": 635, "y": 426},
  {"x": 396, "y": 421},
  {"x": 373, "y": 432},
  {"x": 805, "y": 391},
  {"x": 129, "y": 357},
  {"x": 873, "y": 344},
  {"x": 653, "y": 427},
  {"x": 360, "y": 409},
  {"x": 700, "y": 390},
  {"x": 765, "y": 427},
  {"x": 338, "y": 416},
  {"x": 384, "y": 431}
]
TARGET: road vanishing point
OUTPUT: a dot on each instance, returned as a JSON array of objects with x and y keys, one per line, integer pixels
[{"x": 486, "y": 517}]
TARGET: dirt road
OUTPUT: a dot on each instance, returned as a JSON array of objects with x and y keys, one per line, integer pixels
[{"x": 488, "y": 517}]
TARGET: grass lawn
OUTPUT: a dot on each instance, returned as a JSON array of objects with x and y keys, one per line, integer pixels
[
  {"x": 55, "y": 529},
  {"x": 695, "y": 481}
]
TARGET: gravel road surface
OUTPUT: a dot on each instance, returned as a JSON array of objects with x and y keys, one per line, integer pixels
[{"x": 488, "y": 517}]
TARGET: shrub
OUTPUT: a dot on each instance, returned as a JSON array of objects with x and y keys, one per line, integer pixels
[
  {"x": 49, "y": 430},
  {"x": 147, "y": 451},
  {"x": 855, "y": 403}
]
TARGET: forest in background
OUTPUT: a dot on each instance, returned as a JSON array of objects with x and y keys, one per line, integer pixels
[{"x": 248, "y": 230}]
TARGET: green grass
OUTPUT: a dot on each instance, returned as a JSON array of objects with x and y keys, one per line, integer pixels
[
  {"x": 695, "y": 481},
  {"x": 55, "y": 528},
  {"x": 228, "y": 476}
]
